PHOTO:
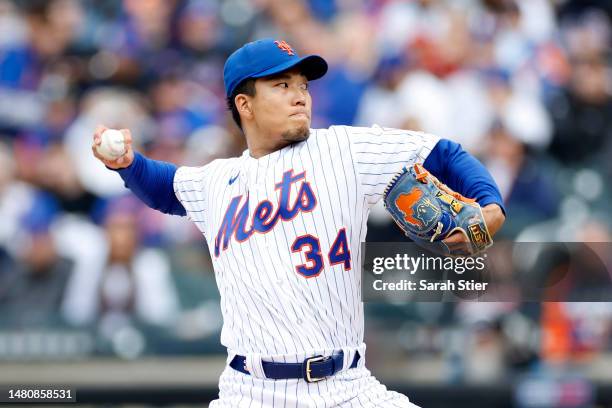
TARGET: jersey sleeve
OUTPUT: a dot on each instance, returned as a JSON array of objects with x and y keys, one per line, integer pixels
[
  {"x": 152, "y": 182},
  {"x": 379, "y": 153},
  {"x": 463, "y": 173},
  {"x": 190, "y": 189}
]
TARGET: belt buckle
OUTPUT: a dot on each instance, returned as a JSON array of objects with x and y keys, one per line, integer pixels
[{"x": 307, "y": 375}]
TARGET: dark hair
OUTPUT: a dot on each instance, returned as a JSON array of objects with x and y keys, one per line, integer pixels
[{"x": 246, "y": 87}]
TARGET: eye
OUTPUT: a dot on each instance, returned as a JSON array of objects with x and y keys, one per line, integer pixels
[
  {"x": 304, "y": 86},
  {"x": 283, "y": 84}
]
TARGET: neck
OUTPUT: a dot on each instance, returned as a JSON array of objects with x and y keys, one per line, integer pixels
[
  {"x": 257, "y": 153},
  {"x": 260, "y": 146}
]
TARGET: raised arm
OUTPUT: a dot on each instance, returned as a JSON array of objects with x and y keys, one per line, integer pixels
[{"x": 150, "y": 180}]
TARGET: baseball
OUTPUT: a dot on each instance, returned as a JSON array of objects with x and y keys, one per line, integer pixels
[{"x": 112, "y": 145}]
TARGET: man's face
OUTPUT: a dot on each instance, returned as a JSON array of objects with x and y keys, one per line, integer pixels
[{"x": 282, "y": 106}]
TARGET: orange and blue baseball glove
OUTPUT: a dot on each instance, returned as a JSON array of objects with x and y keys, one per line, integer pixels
[{"x": 428, "y": 211}]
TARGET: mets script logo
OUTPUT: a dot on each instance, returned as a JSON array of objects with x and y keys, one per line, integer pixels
[
  {"x": 417, "y": 211},
  {"x": 285, "y": 47},
  {"x": 265, "y": 217}
]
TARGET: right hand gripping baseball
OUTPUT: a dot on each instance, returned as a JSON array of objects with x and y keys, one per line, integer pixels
[{"x": 121, "y": 162}]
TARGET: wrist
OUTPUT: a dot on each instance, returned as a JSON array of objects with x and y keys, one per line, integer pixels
[
  {"x": 127, "y": 172},
  {"x": 494, "y": 217},
  {"x": 123, "y": 163}
]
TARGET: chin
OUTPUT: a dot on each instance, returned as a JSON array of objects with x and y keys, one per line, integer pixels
[{"x": 297, "y": 134}]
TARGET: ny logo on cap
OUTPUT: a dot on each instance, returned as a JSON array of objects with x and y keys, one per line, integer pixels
[{"x": 284, "y": 47}]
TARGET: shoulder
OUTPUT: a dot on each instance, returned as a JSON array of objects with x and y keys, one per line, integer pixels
[
  {"x": 345, "y": 130},
  {"x": 375, "y": 134},
  {"x": 199, "y": 173},
  {"x": 342, "y": 133},
  {"x": 364, "y": 131}
]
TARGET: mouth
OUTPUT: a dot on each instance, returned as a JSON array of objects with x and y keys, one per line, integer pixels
[{"x": 300, "y": 115}]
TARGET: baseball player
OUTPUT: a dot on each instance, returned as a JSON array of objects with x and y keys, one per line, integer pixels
[{"x": 284, "y": 223}]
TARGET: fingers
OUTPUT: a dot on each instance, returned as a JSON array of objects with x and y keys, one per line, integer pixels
[
  {"x": 458, "y": 243},
  {"x": 462, "y": 248},
  {"x": 95, "y": 153},
  {"x": 98, "y": 134},
  {"x": 127, "y": 139},
  {"x": 455, "y": 238}
]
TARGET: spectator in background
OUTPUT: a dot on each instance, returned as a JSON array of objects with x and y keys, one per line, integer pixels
[
  {"x": 137, "y": 46},
  {"x": 11, "y": 205},
  {"x": 15, "y": 199},
  {"x": 582, "y": 113},
  {"x": 530, "y": 195},
  {"x": 55, "y": 173},
  {"x": 351, "y": 60},
  {"x": 179, "y": 111},
  {"x": 38, "y": 284},
  {"x": 520, "y": 130},
  {"x": 131, "y": 285},
  {"x": 34, "y": 74},
  {"x": 7, "y": 269}
]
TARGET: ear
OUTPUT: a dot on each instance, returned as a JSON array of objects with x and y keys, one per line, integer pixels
[{"x": 243, "y": 104}]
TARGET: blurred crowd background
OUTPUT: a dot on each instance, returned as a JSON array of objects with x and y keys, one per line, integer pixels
[{"x": 86, "y": 270}]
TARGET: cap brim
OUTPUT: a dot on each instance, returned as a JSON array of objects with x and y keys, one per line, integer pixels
[{"x": 312, "y": 66}]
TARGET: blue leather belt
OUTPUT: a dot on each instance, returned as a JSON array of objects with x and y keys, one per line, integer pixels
[{"x": 312, "y": 369}]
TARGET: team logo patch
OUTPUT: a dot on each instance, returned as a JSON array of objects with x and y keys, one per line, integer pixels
[
  {"x": 417, "y": 211},
  {"x": 453, "y": 204},
  {"x": 284, "y": 47}
]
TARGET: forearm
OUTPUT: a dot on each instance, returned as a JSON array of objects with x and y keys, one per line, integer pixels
[
  {"x": 463, "y": 173},
  {"x": 152, "y": 182}
]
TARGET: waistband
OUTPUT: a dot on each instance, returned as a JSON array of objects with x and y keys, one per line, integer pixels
[
  {"x": 312, "y": 369},
  {"x": 311, "y": 366}
]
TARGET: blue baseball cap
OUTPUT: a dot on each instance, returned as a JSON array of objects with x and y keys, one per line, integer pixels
[{"x": 267, "y": 57}]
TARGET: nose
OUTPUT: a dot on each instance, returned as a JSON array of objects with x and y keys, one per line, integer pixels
[{"x": 299, "y": 97}]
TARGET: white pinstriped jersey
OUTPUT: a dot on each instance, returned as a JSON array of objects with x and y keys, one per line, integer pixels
[{"x": 285, "y": 230}]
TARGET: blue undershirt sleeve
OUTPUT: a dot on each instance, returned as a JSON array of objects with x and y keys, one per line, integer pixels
[
  {"x": 153, "y": 182},
  {"x": 463, "y": 173}
]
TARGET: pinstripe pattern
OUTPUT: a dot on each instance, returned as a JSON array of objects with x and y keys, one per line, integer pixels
[
  {"x": 351, "y": 388},
  {"x": 270, "y": 309}
]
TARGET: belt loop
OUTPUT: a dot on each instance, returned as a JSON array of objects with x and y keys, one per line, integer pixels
[
  {"x": 230, "y": 355},
  {"x": 362, "y": 352},
  {"x": 254, "y": 365},
  {"x": 349, "y": 355}
]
